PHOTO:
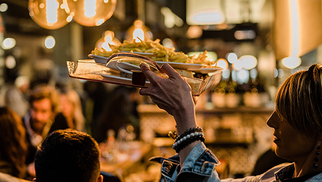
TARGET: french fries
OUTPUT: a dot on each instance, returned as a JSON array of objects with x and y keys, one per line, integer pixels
[{"x": 160, "y": 52}]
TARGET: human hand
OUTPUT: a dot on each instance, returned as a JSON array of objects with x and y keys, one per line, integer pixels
[{"x": 172, "y": 94}]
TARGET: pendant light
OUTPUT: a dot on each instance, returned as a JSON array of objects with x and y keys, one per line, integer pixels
[
  {"x": 49, "y": 14},
  {"x": 91, "y": 12},
  {"x": 106, "y": 40}
]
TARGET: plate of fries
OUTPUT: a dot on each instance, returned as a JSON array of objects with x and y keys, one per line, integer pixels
[{"x": 155, "y": 51}]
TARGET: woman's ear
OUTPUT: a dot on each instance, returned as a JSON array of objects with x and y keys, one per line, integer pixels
[
  {"x": 100, "y": 178},
  {"x": 34, "y": 180}
]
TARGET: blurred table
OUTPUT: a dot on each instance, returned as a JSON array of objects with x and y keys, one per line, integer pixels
[{"x": 127, "y": 158}]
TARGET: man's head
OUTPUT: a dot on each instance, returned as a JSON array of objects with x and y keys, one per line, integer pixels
[
  {"x": 44, "y": 103},
  {"x": 68, "y": 155}
]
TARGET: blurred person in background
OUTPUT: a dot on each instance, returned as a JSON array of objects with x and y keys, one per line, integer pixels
[
  {"x": 118, "y": 114},
  {"x": 97, "y": 96},
  {"x": 71, "y": 108},
  {"x": 13, "y": 146},
  {"x": 16, "y": 96},
  {"x": 44, "y": 117}
]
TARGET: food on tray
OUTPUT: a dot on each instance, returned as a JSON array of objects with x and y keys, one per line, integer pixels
[
  {"x": 127, "y": 57},
  {"x": 194, "y": 84},
  {"x": 131, "y": 68},
  {"x": 157, "y": 52},
  {"x": 185, "y": 73}
]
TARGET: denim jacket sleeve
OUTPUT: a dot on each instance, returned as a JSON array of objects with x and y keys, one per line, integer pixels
[{"x": 198, "y": 166}]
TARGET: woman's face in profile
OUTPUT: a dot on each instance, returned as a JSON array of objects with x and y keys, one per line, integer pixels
[{"x": 290, "y": 143}]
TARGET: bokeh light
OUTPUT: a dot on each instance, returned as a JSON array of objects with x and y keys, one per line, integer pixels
[
  {"x": 10, "y": 62},
  {"x": 291, "y": 62},
  {"x": 50, "y": 42},
  {"x": 232, "y": 57},
  {"x": 49, "y": 14},
  {"x": 91, "y": 12},
  {"x": 8, "y": 43},
  {"x": 106, "y": 40},
  {"x": 3, "y": 7},
  {"x": 248, "y": 61},
  {"x": 222, "y": 63}
]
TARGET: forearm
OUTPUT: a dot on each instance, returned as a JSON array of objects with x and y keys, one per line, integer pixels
[{"x": 185, "y": 119}]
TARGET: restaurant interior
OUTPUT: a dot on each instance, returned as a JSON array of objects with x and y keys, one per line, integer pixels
[{"x": 256, "y": 44}]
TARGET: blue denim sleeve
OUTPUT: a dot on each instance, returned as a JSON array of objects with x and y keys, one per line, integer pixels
[{"x": 199, "y": 165}]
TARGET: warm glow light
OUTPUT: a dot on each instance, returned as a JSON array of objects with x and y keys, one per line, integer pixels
[
  {"x": 171, "y": 19},
  {"x": 106, "y": 40},
  {"x": 291, "y": 62},
  {"x": 232, "y": 57},
  {"x": 245, "y": 34},
  {"x": 52, "y": 11},
  {"x": 69, "y": 18},
  {"x": 253, "y": 73},
  {"x": 49, "y": 14},
  {"x": 91, "y": 12},
  {"x": 212, "y": 56},
  {"x": 295, "y": 29},
  {"x": 8, "y": 43},
  {"x": 222, "y": 63},
  {"x": 3, "y": 7},
  {"x": 10, "y": 62},
  {"x": 238, "y": 65},
  {"x": 50, "y": 42},
  {"x": 209, "y": 17},
  {"x": 167, "y": 42},
  {"x": 138, "y": 34},
  {"x": 204, "y": 12},
  {"x": 242, "y": 76},
  {"x": 138, "y": 31},
  {"x": 248, "y": 61},
  {"x": 90, "y": 8},
  {"x": 225, "y": 74},
  {"x": 194, "y": 32}
]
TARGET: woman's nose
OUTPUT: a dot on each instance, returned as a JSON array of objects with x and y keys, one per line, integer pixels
[{"x": 273, "y": 120}]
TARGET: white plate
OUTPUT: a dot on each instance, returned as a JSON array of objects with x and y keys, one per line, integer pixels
[
  {"x": 120, "y": 78},
  {"x": 127, "y": 67},
  {"x": 205, "y": 70},
  {"x": 187, "y": 66},
  {"x": 98, "y": 59},
  {"x": 112, "y": 65}
]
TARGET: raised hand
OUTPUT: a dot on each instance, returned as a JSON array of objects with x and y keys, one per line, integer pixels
[{"x": 172, "y": 94}]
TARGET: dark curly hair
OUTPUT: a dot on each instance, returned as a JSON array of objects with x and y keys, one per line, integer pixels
[{"x": 43, "y": 91}]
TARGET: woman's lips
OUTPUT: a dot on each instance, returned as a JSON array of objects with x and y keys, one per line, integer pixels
[{"x": 276, "y": 139}]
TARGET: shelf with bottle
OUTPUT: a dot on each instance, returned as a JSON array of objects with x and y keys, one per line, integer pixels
[{"x": 231, "y": 94}]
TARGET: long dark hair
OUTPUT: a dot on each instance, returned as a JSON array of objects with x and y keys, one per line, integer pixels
[{"x": 13, "y": 141}]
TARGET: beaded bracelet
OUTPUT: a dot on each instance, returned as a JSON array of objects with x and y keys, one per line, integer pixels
[
  {"x": 188, "y": 131},
  {"x": 186, "y": 140}
]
